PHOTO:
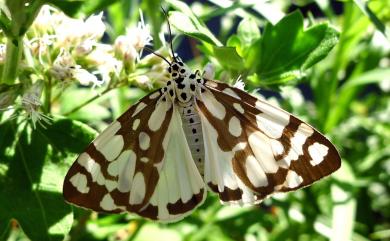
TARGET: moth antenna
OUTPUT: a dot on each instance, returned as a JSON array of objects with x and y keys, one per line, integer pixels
[
  {"x": 158, "y": 55},
  {"x": 170, "y": 32}
]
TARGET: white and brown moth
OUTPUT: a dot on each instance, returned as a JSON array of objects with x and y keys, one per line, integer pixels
[{"x": 195, "y": 134}]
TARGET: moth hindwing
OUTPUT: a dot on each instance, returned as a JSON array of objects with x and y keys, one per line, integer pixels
[{"x": 161, "y": 155}]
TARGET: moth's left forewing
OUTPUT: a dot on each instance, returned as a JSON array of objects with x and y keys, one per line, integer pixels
[
  {"x": 120, "y": 169},
  {"x": 141, "y": 163},
  {"x": 278, "y": 152}
]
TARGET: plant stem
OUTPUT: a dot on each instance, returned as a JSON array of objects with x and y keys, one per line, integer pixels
[
  {"x": 88, "y": 101},
  {"x": 48, "y": 89},
  {"x": 13, "y": 54}
]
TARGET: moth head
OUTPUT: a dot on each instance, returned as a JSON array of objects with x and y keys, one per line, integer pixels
[{"x": 177, "y": 68}]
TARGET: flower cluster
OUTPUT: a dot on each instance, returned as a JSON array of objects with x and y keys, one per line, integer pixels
[{"x": 65, "y": 51}]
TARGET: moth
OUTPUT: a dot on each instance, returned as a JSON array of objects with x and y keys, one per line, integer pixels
[{"x": 165, "y": 152}]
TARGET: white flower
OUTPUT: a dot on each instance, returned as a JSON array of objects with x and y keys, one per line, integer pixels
[
  {"x": 84, "y": 48},
  {"x": 63, "y": 65},
  {"x": 85, "y": 78},
  {"x": 44, "y": 21},
  {"x": 140, "y": 36},
  {"x": 94, "y": 27},
  {"x": 124, "y": 49},
  {"x": 71, "y": 32},
  {"x": 40, "y": 46},
  {"x": 102, "y": 57},
  {"x": 128, "y": 46},
  {"x": 144, "y": 81},
  {"x": 239, "y": 83}
]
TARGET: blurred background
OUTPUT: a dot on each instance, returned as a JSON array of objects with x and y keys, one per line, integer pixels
[{"x": 83, "y": 63}]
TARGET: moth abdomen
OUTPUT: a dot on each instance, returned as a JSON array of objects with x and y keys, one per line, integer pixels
[{"x": 193, "y": 132}]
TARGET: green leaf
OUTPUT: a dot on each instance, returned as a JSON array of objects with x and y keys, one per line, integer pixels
[
  {"x": 288, "y": 48},
  {"x": 5, "y": 23},
  {"x": 91, "y": 7},
  {"x": 369, "y": 77},
  {"x": 228, "y": 57},
  {"x": 363, "y": 6},
  {"x": 248, "y": 31},
  {"x": 325, "y": 46},
  {"x": 186, "y": 22},
  {"x": 70, "y": 8},
  {"x": 344, "y": 210},
  {"x": 8, "y": 94},
  {"x": 31, "y": 186}
]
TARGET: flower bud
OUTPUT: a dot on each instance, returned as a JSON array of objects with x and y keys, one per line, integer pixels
[
  {"x": 84, "y": 77},
  {"x": 94, "y": 26}
]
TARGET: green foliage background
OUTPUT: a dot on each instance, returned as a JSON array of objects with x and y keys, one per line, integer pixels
[{"x": 342, "y": 60}]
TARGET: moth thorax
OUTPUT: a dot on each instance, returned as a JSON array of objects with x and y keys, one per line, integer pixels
[{"x": 193, "y": 132}]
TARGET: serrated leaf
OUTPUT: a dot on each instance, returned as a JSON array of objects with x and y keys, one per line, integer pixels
[
  {"x": 31, "y": 186},
  {"x": 186, "y": 22},
  {"x": 288, "y": 48},
  {"x": 188, "y": 27}
]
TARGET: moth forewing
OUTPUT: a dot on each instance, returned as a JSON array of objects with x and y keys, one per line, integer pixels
[{"x": 278, "y": 151}]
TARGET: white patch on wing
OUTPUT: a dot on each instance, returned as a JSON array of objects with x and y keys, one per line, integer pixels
[
  {"x": 107, "y": 134},
  {"x": 231, "y": 92},
  {"x": 154, "y": 95},
  {"x": 123, "y": 167},
  {"x": 158, "y": 116},
  {"x": 271, "y": 127},
  {"x": 262, "y": 149},
  {"x": 144, "y": 159},
  {"x": 277, "y": 147},
  {"x": 112, "y": 148},
  {"x": 107, "y": 203},
  {"x": 297, "y": 141},
  {"x": 238, "y": 108},
  {"x": 317, "y": 152},
  {"x": 255, "y": 172},
  {"x": 293, "y": 180},
  {"x": 110, "y": 185},
  {"x": 212, "y": 84},
  {"x": 272, "y": 121},
  {"x": 136, "y": 124},
  {"x": 235, "y": 126},
  {"x": 140, "y": 106},
  {"x": 92, "y": 167},
  {"x": 125, "y": 170},
  {"x": 144, "y": 141},
  {"x": 138, "y": 189},
  {"x": 213, "y": 105},
  {"x": 115, "y": 167},
  {"x": 79, "y": 181}
]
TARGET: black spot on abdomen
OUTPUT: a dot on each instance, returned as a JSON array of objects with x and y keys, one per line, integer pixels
[{"x": 183, "y": 96}]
